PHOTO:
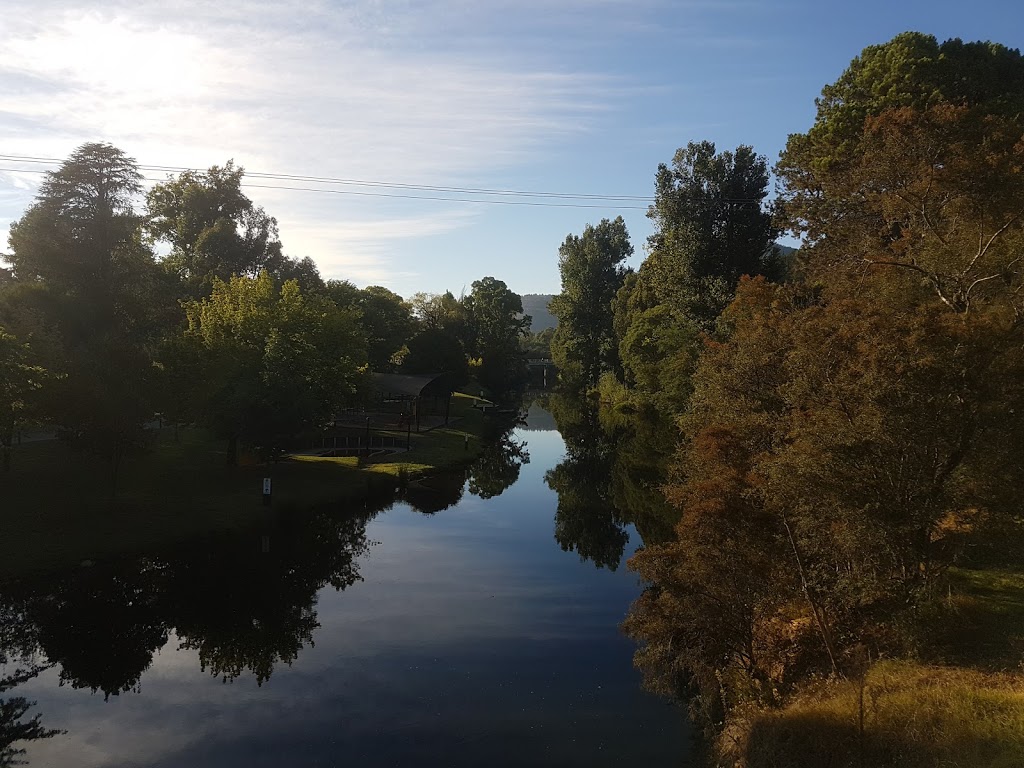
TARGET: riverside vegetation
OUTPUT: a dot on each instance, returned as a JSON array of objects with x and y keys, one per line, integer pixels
[
  {"x": 240, "y": 351},
  {"x": 821, "y": 448},
  {"x": 833, "y": 523}
]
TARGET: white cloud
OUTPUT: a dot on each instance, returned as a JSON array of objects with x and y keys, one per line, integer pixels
[{"x": 355, "y": 90}]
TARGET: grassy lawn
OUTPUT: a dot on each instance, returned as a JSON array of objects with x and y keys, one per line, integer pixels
[
  {"x": 56, "y": 505},
  {"x": 441, "y": 447}
]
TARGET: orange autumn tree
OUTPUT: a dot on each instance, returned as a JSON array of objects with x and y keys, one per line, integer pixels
[{"x": 830, "y": 440}]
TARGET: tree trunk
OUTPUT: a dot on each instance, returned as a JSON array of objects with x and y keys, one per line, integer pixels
[{"x": 819, "y": 618}]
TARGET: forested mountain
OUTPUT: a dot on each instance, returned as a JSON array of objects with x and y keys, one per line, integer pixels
[{"x": 536, "y": 306}]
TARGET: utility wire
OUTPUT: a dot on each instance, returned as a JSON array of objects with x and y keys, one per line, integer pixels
[
  {"x": 365, "y": 183},
  {"x": 394, "y": 195}
]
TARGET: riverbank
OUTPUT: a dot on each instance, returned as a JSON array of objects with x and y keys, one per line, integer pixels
[
  {"x": 961, "y": 703},
  {"x": 57, "y": 508}
]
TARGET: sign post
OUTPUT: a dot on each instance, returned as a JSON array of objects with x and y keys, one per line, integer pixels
[{"x": 266, "y": 491}]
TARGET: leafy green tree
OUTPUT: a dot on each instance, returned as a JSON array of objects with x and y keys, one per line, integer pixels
[
  {"x": 303, "y": 271},
  {"x": 215, "y": 232},
  {"x": 271, "y": 362},
  {"x": 385, "y": 317},
  {"x": 592, "y": 269},
  {"x": 448, "y": 313},
  {"x": 434, "y": 350},
  {"x": 711, "y": 227},
  {"x": 18, "y": 380},
  {"x": 538, "y": 345},
  {"x": 343, "y": 293},
  {"x": 498, "y": 321},
  {"x": 100, "y": 297},
  {"x": 387, "y": 322},
  {"x": 714, "y": 203},
  {"x": 659, "y": 353}
]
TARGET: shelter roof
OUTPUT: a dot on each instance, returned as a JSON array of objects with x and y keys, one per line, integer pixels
[{"x": 403, "y": 384}]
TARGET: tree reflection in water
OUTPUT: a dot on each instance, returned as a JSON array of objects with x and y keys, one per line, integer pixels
[
  {"x": 19, "y": 664},
  {"x": 611, "y": 477},
  {"x": 491, "y": 473},
  {"x": 586, "y": 521},
  {"x": 499, "y": 463},
  {"x": 244, "y": 603}
]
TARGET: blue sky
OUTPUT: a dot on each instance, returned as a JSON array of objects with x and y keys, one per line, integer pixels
[{"x": 578, "y": 96}]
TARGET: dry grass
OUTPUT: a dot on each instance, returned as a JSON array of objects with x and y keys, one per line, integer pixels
[
  {"x": 961, "y": 708},
  {"x": 914, "y": 716}
]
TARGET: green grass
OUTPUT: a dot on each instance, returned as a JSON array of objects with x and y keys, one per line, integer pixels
[
  {"x": 442, "y": 447},
  {"x": 56, "y": 506},
  {"x": 978, "y": 620}
]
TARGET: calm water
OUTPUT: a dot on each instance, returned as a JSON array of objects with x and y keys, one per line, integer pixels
[{"x": 467, "y": 637}]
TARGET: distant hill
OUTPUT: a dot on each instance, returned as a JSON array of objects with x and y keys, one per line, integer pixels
[{"x": 536, "y": 306}]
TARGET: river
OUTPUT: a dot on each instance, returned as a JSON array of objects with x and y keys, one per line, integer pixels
[{"x": 462, "y": 637}]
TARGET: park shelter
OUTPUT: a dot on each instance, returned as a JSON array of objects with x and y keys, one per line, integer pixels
[{"x": 416, "y": 395}]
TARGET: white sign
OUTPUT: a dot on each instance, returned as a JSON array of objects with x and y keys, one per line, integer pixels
[{"x": 266, "y": 486}]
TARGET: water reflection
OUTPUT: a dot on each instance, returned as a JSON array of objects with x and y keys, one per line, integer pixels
[
  {"x": 499, "y": 464},
  {"x": 241, "y": 608},
  {"x": 611, "y": 477},
  {"x": 19, "y": 665},
  {"x": 492, "y": 473},
  {"x": 473, "y": 638},
  {"x": 586, "y": 521},
  {"x": 15, "y": 726}
]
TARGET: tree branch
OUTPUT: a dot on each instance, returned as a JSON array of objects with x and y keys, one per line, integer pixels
[{"x": 984, "y": 249}]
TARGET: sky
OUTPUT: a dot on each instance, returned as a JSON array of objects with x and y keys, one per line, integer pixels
[{"x": 583, "y": 97}]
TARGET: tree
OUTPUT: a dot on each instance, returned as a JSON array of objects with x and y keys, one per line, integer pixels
[
  {"x": 444, "y": 311},
  {"x": 912, "y": 165},
  {"x": 81, "y": 243},
  {"x": 497, "y": 317},
  {"x": 833, "y": 441},
  {"x": 434, "y": 350},
  {"x": 659, "y": 353},
  {"x": 18, "y": 380},
  {"x": 715, "y": 201},
  {"x": 388, "y": 324},
  {"x": 592, "y": 270},
  {"x": 215, "y": 232},
  {"x": 82, "y": 234},
  {"x": 711, "y": 228},
  {"x": 385, "y": 317},
  {"x": 271, "y": 362}
]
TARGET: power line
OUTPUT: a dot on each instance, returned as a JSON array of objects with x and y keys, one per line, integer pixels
[
  {"x": 381, "y": 184},
  {"x": 394, "y": 195}
]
